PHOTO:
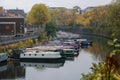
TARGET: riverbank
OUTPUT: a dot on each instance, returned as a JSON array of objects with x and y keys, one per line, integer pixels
[{"x": 41, "y": 39}]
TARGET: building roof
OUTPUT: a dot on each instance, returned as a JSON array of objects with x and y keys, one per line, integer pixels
[
  {"x": 51, "y": 8},
  {"x": 16, "y": 12}
]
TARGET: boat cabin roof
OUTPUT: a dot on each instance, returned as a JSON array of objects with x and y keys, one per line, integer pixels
[
  {"x": 2, "y": 54},
  {"x": 41, "y": 52},
  {"x": 68, "y": 49}
]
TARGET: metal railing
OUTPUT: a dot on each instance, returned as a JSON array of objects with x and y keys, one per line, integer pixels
[{"x": 17, "y": 39}]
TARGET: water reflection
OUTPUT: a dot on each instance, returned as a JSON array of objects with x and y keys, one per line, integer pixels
[
  {"x": 70, "y": 58},
  {"x": 17, "y": 70},
  {"x": 42, "y": 65},
  {"x": 100, "y": 47},
  {"x": 12, "y": 70},
  {"x": 3, "y": 66}
]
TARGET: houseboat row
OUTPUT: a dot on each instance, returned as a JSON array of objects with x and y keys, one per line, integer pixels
[{"x": 54, "y": 51}]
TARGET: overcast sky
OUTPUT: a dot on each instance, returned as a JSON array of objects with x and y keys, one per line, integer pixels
[{"x": 27, "y": 4}]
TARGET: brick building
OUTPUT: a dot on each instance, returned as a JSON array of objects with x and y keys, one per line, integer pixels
[{"x": 11, "y": 26}]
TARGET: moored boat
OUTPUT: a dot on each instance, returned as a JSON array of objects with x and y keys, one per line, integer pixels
[
  {"x": 85, "y": 44},
  {"x": 40, "y": 56},
  {"x": 3, "y": 57},
  {"x": 68, "y": 52}
]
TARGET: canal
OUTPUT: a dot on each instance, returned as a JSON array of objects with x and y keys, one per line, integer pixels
[{"x": 70, "y": 69}]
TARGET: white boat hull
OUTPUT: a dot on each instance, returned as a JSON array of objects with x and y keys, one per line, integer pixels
[{"x": 41, "y": 56}]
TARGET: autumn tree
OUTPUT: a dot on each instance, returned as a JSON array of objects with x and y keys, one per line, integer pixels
[
  {"x": 39, "y": 15},
  {"x": 113, "y": 18},
  {"x": 62, "y": 16},
  {"x": 58, "y": 16}
]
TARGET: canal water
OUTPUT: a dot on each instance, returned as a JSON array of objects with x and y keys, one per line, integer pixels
[{"x": 70, "y": 69}]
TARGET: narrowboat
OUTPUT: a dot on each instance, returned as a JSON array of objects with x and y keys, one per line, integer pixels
[
  {"x": 68, "y": 52},
  {"x": 3, "y": 57},
  {"x": 40, "y": 56},
  {"x": 85, "y": 44}
]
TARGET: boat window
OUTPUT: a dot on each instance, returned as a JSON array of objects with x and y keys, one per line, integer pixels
[
  {"x": 35, "y": 54},
  {"x": 29, "y": 54},
  {"x": 42, "y": 54},
  {"x": 24, "y": 54},
  {"x": 37, "y": 51}
]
